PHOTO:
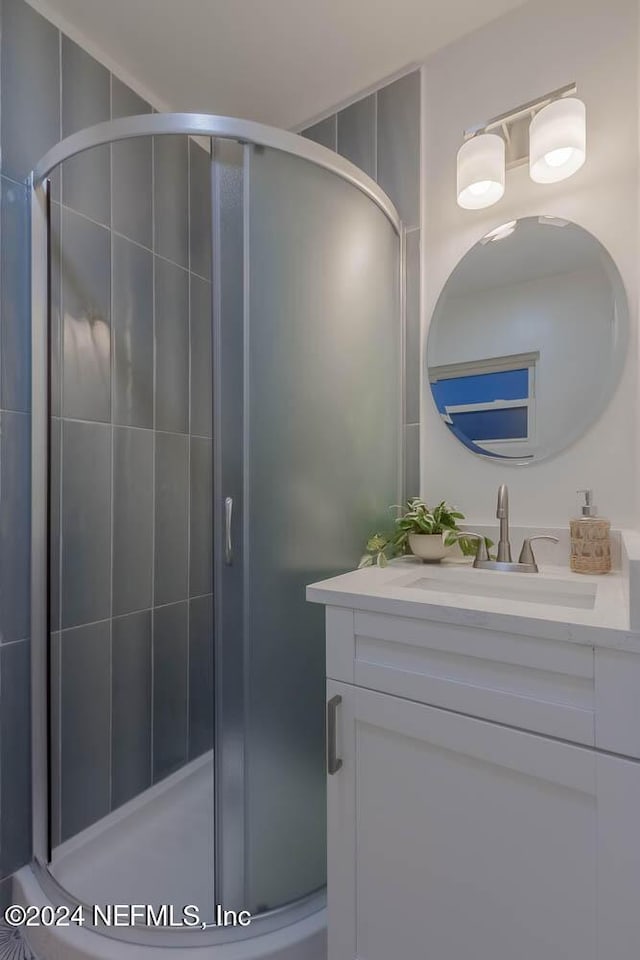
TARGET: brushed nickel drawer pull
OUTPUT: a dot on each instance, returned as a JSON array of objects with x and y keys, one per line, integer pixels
[{"x": 334, "y": 762}]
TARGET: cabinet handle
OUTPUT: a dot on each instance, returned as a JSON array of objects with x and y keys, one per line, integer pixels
[
  {"x": 228, "y": 513},
  {"x": 333, "y": 762}
]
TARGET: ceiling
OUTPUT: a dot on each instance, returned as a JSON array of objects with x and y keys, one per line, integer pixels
[{"x": 277, "y": 61}]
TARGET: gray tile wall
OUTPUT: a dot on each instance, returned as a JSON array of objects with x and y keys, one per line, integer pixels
[
  {"x": 381, "y": 134},
  {"x": 85, "y": 725},
  {"x": 86, "y": 100},
  {"x": 15, "y": 780},
  {"x": 135, "y": 484},
  {"x": 323, "y": 132},
  {"x": 131, "y": 394},
  {"x": 131, "y": 725},
  {"x": 23, "y": 34}
]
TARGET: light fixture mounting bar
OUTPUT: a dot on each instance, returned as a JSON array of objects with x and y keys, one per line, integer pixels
[{"x": 505, "y": 120}]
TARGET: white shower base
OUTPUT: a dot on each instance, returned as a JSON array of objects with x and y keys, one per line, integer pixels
[{"x": 156, "y": 850}]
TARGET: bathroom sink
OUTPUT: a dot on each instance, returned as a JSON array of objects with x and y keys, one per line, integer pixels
[{"x": 519, "y": 587}]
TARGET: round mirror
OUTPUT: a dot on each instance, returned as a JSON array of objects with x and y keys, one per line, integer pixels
[{"x": 527, "y": 339}]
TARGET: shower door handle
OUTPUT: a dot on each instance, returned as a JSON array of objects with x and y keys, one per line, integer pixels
[
  {"x": 228, "y": 515},
  {"x": 334, "y": 762}
]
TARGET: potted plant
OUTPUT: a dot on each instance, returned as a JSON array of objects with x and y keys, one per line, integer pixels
[{"x": 427, "y": 533}]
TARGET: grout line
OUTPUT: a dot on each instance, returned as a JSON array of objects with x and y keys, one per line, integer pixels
[
  {"x": 15, "y": 183},
  {"x": 157, "y": 606},
  {"x": 375, "y": 136},
  {"x": 17, "y": 413},
  {"x": 58, "y": 752},
  {"x": 153, "y": 466},
  {"x": 112, "y": 509},
  {"x": 119, "y": 426},
  {"x": 22, "y": 413},
  {"x": 174, "y": 263},
  {"x": 245, "y": 573},
  {"x": 199, "y": 276},
  {"x": 174, "y": 603},
  {"x": 189, "y": 463},
  {"x": 60, "y": 166},
  {"x": 12, "y": 643},
  {"x": 123, "y": 236},
  {"x": 121, "y": 616},
  {"x": 60, "y": 365}
]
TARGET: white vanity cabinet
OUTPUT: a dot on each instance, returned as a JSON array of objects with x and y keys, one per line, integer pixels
[{"x": 473, "y": 817}]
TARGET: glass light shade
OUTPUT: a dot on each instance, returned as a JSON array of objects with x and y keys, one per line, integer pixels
[
  {"x": 481, "y": 166},
  {"x": 557, "y": 140}
]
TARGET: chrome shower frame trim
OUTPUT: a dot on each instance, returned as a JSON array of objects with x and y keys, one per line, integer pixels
[
  {"x": 226, "y": 128},
  {"x": 40, "y": 289}
]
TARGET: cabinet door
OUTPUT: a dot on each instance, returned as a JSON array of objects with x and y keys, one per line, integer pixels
[{"x": 452, "y": 838}]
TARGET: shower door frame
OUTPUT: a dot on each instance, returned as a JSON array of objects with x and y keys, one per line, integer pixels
[{"x": 214, "y": 127}]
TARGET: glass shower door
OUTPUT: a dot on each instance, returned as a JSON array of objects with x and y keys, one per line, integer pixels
[{"x": 322, "y": 448}]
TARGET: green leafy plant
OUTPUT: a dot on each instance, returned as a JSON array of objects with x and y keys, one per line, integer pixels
[{"x": 418, "y": 518}]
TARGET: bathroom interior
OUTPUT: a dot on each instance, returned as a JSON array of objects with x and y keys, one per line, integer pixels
[{"x": 319, "y": 461}]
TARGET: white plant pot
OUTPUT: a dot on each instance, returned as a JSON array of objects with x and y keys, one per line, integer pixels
[{"x": 430, "y": 547}]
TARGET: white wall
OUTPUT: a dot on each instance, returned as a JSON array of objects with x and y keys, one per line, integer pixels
[{"x": 538, "y": 47}]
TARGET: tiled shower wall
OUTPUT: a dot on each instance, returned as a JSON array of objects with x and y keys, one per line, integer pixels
[
  {"x": 131, "y": 485},
  {"x": 131, "y": 605},
  {"x": 381, "y": 134}
]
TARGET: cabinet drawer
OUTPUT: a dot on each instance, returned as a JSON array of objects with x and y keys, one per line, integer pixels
[{"x": 539, "y": 685}]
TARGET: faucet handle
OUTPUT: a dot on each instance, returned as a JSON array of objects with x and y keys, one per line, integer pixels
[
  {"x": 481, "y": 552},
  {"x": 526, "y": 554}
]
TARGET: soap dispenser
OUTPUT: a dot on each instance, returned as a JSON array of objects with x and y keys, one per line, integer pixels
[{"x": 590, "y": 539}]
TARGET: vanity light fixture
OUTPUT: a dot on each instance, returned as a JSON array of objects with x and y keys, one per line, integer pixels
[
  {"x": 557, "y": 140},
  {"x": 549, "y": 133},
  {"x": 481, "y": 167}
]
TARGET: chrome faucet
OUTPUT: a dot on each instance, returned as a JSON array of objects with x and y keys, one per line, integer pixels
[
  {"x": 526, "y": 561},
  {"x": 502, "y": 513}
]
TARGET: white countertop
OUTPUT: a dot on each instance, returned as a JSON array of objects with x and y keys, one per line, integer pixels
[{"x": 385, "y": 590}]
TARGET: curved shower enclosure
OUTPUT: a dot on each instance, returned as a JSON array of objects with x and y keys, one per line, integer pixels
[{"x": 216, "y": 423}]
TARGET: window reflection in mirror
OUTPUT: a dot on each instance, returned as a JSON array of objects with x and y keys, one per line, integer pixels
[{"x": 489, "y": 405}]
